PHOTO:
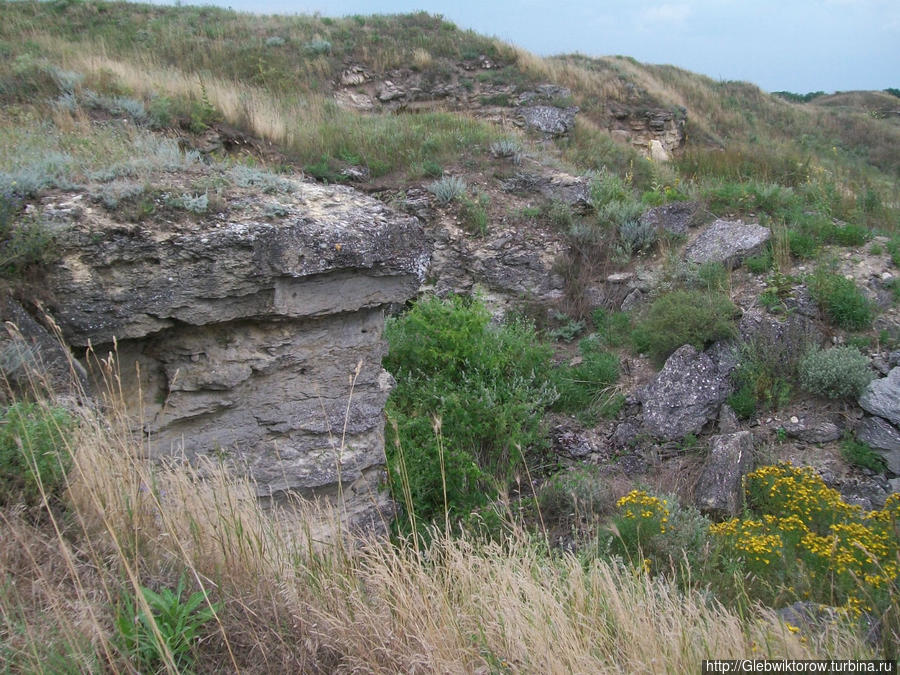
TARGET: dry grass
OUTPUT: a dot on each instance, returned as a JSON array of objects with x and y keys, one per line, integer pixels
[{"x": 297, "y": 602}]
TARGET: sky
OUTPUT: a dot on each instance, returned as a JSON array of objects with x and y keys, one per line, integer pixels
[{"x": 793, "y": 45}]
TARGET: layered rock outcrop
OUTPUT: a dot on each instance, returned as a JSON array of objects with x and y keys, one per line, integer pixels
[{"x": 253, "y": 338}]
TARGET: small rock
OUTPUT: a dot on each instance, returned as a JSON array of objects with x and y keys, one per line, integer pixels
[
  {"x": 674, "y": 217},
  {"x": 632, "y": 300},
  {"x": 720, "y": 492},
  {"x": 728, "y": 420},
  {"x": 728, "y": 242},
  {"x": 813, "y": 431}
]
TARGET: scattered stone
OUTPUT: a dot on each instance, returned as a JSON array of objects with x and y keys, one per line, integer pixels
[
  {"x": 388, "y": 91},
  {"x": 728, "y": 242},
  {"x": 720, "y": 492},
  {"x": 884, "y": 438},
  {"x": 624, "y": 435},
  {"x": 882, "y": 397},
  {"x": 675, "y": 217},
  {"x": 813, "y": 431},
  {"x": 686, "y": 394},
  {"x": 867, "y": 492},
  {"x": 573, "y": 442},
  {"x": 728, "y": 420},
  {"x": 549, "y": 119},
  {"x": 634, "y": 299},
  {"x": 353, "y": 76}
]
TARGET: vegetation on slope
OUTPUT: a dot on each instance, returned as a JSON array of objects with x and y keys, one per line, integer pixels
[{"x": 112, "y": 554}]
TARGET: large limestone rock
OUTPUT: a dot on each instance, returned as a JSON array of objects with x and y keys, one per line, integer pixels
[
  {"x": 686, "y": 394},
  {"x": 728, "y": 242},
  {"x": 882, "y": 397},
  {"x": 258, "y": 338},
  {"x": 719, "y": 490}
]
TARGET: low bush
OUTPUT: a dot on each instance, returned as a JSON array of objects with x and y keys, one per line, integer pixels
[
  {"x": 474, "y": 213},
  {"x": 167, "y": 635},
  {"x": 33, "y": 455},
  {"x": 585, "y": 388},
  {"x": 839, "y": 372},
  {"x": 861, "y": 454},
  {"x": 682, "y": 317},
  {"x": 843, "y": 303},
  {"x": 467, "y": 406},
  {"x": 613, "y": 328},
  {"x": 448, "y": 188}
]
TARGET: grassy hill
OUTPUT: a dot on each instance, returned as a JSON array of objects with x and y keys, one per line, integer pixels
[{"x": 116, "y": 566}]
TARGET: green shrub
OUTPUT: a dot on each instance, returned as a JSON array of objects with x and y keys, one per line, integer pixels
[
  {"x": 767, "y": 369},
  {"x": 448, "y": 188},
  {"x": 177, "y": 621},
  {"x": 585, "y": 388},
  {"x": 486, "y": 384},
  {"x": 613, "y": 328},
  {"x": 474, "y": 213},
  {"x": 861, "y": 454},
  {"x": 839, "y": 372},
  {"x": 637, "y": 235},
  {"x": 24, "y": 241},
  {"x": 698, "y": 318},
  {"x": 843, "y": 303},
  {"x": 577, "y": 496},
  {"x": 759, "y": 264},
  {"x": 33, "y": 456}
]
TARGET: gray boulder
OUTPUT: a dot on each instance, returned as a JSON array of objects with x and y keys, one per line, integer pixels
[
  {"x": 549, "y": 119},
  {"x": 813, "y": 430},
  {"x": 685, "y": 395},
  {"x": 719, "y": 490},
  {"x": 728, "y": 242},
  {"x": 882, "y": 397},
  {"x": 884, "y": 438}
]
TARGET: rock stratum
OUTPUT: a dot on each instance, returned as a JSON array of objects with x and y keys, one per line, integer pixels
[{"x": 254, "y": 339}]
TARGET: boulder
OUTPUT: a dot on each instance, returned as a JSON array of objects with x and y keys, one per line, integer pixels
[
  {"x": 882, "y": 397},
  {"x": 884, "y": 438},
  {"x": 813, "y": 430},
  {"x": 675, "y": 217},
  {"x": 685, "y": 395},
  {"x": 728, "y": 242},
  {"x": 549, "y": 119},
  {"x": 720, "y": 491},
  {"x": 259, "y": 340}
]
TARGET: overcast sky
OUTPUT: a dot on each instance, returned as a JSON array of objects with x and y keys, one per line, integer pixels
[{"x": 794, "y": 45}]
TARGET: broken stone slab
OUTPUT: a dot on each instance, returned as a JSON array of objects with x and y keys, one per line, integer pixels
[
  {"x": 728, "y": 242},
  {"x": 882, "y": 397},
  {"x": 549, "y": 119},
  {"x": 675, "y": 217},
  {"x": 884, "y": 438},
  {"x": 720, "y": 492},
  {"x": 685, "y": 395}
]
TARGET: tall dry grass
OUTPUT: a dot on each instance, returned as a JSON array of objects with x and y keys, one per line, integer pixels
[{"x": 296, "y": 601}]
